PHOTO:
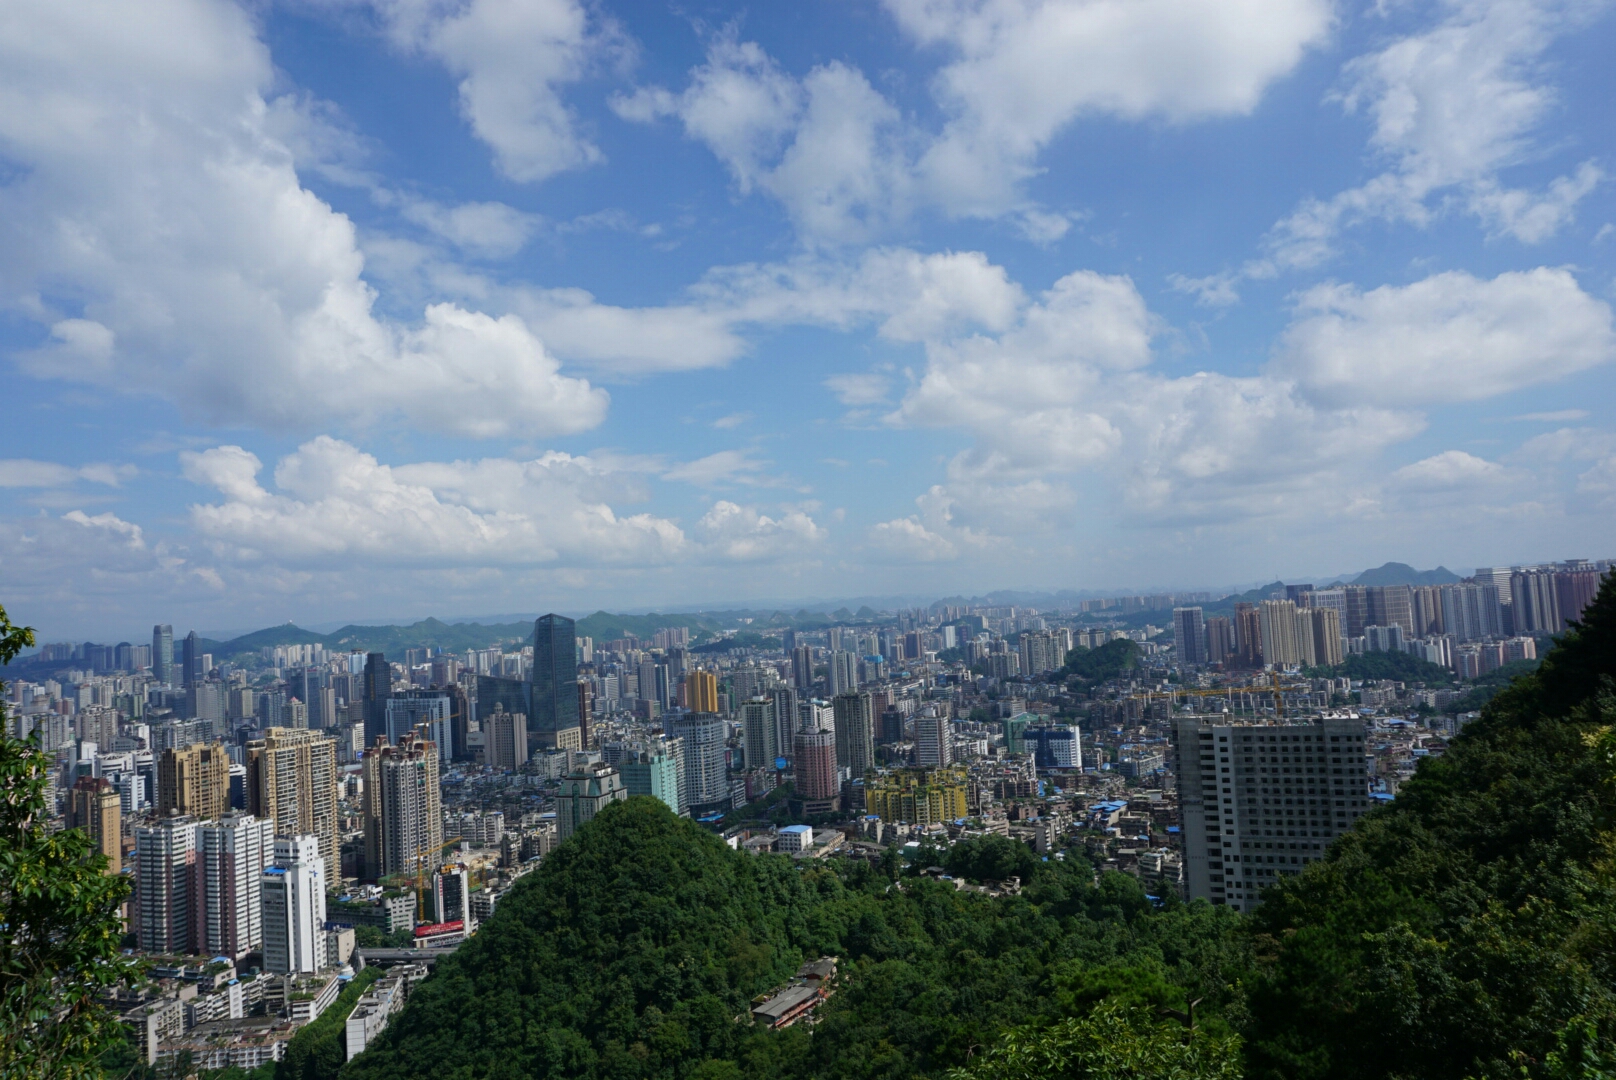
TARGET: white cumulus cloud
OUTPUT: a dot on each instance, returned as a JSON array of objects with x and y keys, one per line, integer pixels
[{"x": 1450, "y": 337}]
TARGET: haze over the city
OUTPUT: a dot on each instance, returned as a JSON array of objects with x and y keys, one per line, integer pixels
[{"x": 341, "y": 310}]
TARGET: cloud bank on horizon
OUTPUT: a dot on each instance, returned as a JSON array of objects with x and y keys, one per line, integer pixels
[{"x": 330, "y": 308}]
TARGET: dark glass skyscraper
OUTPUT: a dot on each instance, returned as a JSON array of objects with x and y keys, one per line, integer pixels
[
  {"x": 553, "y": 706},
  {"x": 191, "y": 657},
  {"x": 378, "y": 688}
]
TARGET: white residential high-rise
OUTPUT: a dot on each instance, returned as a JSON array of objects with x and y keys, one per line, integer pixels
[
  {"x": 233, "y": 853},
  {"x": 702, "y": 735},
  {"x": 451, "y": 895},
  {"x": 165, "y": 885},
  {"x": 843, "y": 673},
  {"x": 1261, "y": 801},
  {"x": 933, "y": 738},
  {"x": 294, "y": 907}
]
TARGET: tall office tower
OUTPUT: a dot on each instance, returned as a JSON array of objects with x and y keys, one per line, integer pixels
[
  {"x": 294, "y": 907},
  {"x": 855, "y": 734},
  {"x": 1391, "y": 605},
  {"x": 432, "y": 709},
  {"x": 1220, "y": 641},
  {"x": 1189, "y": 636},
  {"x": 232, "y": 855},
  {"x": 1282, "y": 643},
  {"x": 701, "y": 691},
  {"x": 788, "y": 641},
  {"x": 165, "y": 876},
  {"x": 654, "y": 773},
  {"x": 843, "y": 673},
  {"x": 451, "y": 895},
  {"x": 759, "y": 734},
  {"x": 817, "y": 777},
  {"x": 703, "y": 735},
  {"x": 1535, "y": 601},
  {"x": 1355, "y": 602},
  {"x": 1248, "y": 635},
  {"x": 584, "y": 793},
  {"x": 1574, "y": 591},
  {"x": 552, "y": 717},
  {"x": 95, "y": 806},
  {"x": 1295, "y": 593},
  {"x": 505, "y": 736},
  {"x": 460, "y": 721},
  {"x": 934, "y": 743},
  {"x": 194, "y": 780},
  {"x": 1258, "y": 801},
  {"x": 403, "y": 814},
  {"x": 191, "y": 659},
  {"x": 785, "y": 719},
  {"x": 1325, "y": 626},
  {"x": 802, "y": 667},
  {"x": 162, "y": 651},
  {"x": 378, "y": 687},
  {"x": 292, "y": 781}
]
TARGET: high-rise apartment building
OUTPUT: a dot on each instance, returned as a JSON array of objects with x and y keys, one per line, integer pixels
[
  {"x": 403, "y": 811},
  {"x": 505, "y": 739},
  {"x": 1189, "y": 636},
  {"x": 843, "y": 673},
  {"x": 1054, "y": 746},
  {"x": 1471, "y": 612},
  {"x": 1391, "y": 605},
  {"x": 1261, "y": 801},
  {"x": 818, "y": 779},
  {"x": 232, "y": 854},
  {"x": 194, "y": 780},
  {"x": 802, "y": 667},
  {"x": 1535, "y": 601},
  {"x": 292, "y": 782},
  {"x": 1283, "y": 645},
  {"x": 1220, "y": 641},
  {"x": 162, "y": 647},
  {"x": 584, "y": 793},
  {"x": 786, "y": 707},
  {"x": 378, "y": 687},
  {"x": 855, "y": 734},
  {"x": 701, "y": 691},
  {"x": 553, "y": 719},
  {"x": 934, "y": 742},
  {"x": 95, "y": 806},
  {"x": 1248, "y": 635},
  {"x": 702, "y": 736},
  {"x": 165, "y": 880},
  {"x": 1325, "y": 626},
  {"x": 759, "y": 733},
  {"x": 294, "y": 907}
]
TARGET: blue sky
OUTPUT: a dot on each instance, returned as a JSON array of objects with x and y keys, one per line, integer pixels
[{"x": 340, "y": 309}]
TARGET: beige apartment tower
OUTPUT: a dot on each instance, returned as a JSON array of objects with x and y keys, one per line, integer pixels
[{"x": 292, "y": 783}]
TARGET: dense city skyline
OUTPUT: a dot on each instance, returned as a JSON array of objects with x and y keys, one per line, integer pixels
[{"x": 401, "y": 308}]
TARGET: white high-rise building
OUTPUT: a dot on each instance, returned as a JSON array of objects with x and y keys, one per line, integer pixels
[
  {"x": 451, "y": 895},
  {"x": 165, "y": 885},
  {"x": 233, "y": 853},
  {"x": 294, "y": 907},
  {"x": 1258, "y": 802},
  {"x": 702, "y": 736},
  {"x": 933, "y": 738}
]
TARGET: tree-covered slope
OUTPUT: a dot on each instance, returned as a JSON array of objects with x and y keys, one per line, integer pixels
[
  {"x": 1469, "y": 929},
  {"x": 635, "y": 950}
]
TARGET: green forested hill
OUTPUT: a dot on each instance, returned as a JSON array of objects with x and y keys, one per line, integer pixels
[{"x": 633, "y": 950}]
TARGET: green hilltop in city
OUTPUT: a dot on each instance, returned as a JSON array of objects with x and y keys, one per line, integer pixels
[{"x": 640, "y": 858}]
